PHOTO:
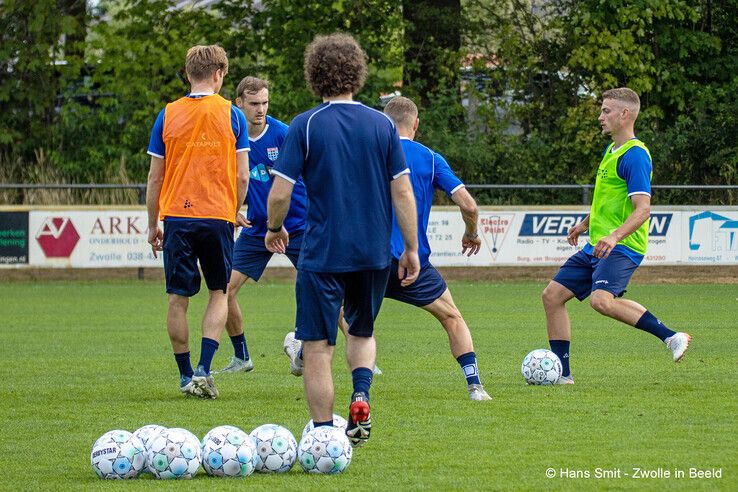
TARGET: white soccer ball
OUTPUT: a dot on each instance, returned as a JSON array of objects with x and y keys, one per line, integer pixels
[
  {"x": 276, "y": 448},
  {"x": 147, "y": 434},
  {"x": 228, "y": 451},
  {"x": 541, "y": 367},
  {"x": 118, "y": 454},
  {"x": 338, "y": 422},
  {"x": 174, "y": 454},
  {"x": 325, "y": 450},
  {"x": 185, "y": 431}
]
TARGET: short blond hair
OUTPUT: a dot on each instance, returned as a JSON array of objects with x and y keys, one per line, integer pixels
[
  {"x": 251, "y": 85},
  {"x": 202, "y": 61},
  {"x": 625, "y": 95},
  {"x": 403, "y": 111}
]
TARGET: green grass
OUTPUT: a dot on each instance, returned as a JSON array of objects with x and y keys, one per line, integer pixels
[{"x": 81, "y": 358}]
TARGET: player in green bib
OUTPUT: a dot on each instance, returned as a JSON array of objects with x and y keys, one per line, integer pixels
[{"x": 618, "y": 238}]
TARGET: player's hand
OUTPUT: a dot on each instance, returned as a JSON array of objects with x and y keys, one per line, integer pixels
[
  {"x": 574, "y": 233},
  {"x": 156, "y": 240},
  {"x": 408, "y": 268},
  {"x": 242, "y": 221},
  {"x": 277, "y": 242},
  {"x": 604, "y": 246},
  {"x": 470, "y": 242}
]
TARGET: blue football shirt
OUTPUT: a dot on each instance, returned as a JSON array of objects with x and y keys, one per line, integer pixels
[
  {"x": 347, "y": 154},
  {"x": 264, "y": 152},
  {"x": 428, "y": 171}
]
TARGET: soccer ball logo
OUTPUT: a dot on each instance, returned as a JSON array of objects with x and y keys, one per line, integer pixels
[
  {"x": 228, "y": 451},
  {"x": 174, "y": 454},
  {"x": 325, "y": 450},
  {"x": 276, "y": 448},
  {"x": 118, "y": 454},
  {"x": 338, "y": 422},
  {"x": 147, "y": 434},
  {"x": 541, "y": 367}
]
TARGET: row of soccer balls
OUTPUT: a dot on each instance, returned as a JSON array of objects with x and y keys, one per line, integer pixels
[{"x": 225, "y": 451}]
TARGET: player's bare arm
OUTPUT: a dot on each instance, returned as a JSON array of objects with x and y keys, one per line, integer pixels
[
  {"x": 573, "y": 236},
  {"x": 403, "y": 201},
  {"x": 153, "y": 190},
  {"x": 242, "y": 185},
  {"x": 470, "y": 242},
  {"x": 641, "y": 213},
  {"x": 278, "y": 204}
]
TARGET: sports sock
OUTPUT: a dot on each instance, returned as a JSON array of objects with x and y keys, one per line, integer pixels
[
  {"x": 362, "y": 377},
  {"x": 654, "y": 326},
  {"x": 207, "y": 351},
  {"x": 468, "y": 363},
  {"x": 561, "y": 349},
  {"x": 327, "y": 423},
  {"x": 240, "y": 350},
  {"x": 184, "y": 365}
]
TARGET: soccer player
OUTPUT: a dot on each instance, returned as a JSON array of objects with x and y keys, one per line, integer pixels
[
  {"x": 618, "y": 237},
  {"x": 250, "y": 256},
  {"x": 197, "y": 180},
  {"x": 351, "y": 160},
  {"x": 430, "y": 171}
]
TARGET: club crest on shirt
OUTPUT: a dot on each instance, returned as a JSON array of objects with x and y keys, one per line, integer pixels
[{"x": 273, "y": 153}]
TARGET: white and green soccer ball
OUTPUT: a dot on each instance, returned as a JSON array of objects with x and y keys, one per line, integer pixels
[
  {"x": 147, "y": 434},
  {"x": 228, "y": 451},
  {"x": 276, "y": 448},
  {"x": 541, "y": 367},
  {"x": 338, "y": 422},
  {"x": 118, "y": 454},
  {"x": 325, "y": 450},
  {"x": 174, "y": 454}
]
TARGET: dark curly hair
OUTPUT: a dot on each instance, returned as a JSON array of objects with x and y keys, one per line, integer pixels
[{"x": 335, "y": 65}]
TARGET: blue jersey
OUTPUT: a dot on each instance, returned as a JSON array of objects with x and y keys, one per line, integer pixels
[
  {"x": 264, "y": 151},
  {"x": 635, "y": 169},
  {"x": 428, "y": 171},
  {"x": 347, "y": 154},
  {"x": 238, "y": 125}
]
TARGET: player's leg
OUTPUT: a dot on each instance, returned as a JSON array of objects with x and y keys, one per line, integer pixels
[
  {"x": 318, "y": 297},
  {"x": 460, "y": 340},
  {"x": 363, "y": 299},
  {"x": 344, "y": 327},
  {"x": 182, "y": 281},
  {"x": 574, "y": 279},
  {"x": 234, "y": 326},
  {"x": 214, "y": 249},
  {"x": 610, "y": 279}
]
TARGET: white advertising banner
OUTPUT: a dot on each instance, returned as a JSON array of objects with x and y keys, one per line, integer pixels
[
  {"x": 678, "y": 236},
  {"x": 518, "y": 238}
]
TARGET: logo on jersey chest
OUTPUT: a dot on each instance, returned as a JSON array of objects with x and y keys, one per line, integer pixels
[
  {"x": 260, "y": 172},
  {"x": 273, "y": 153}
]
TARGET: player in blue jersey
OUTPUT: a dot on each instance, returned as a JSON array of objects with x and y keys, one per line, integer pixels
[
  {"x": 430, "y": 171},
  {"x": 618, "y": 238},
  {"x": 351, "y": 161},
  {"x": 250, "y": 256}
]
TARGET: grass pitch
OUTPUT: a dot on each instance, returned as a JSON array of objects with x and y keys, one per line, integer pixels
[{"x": 82, "y": 358}]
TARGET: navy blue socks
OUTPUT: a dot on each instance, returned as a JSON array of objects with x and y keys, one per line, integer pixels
[
  {"x": 327, "y": 423},
  {"x": 240, "y": 350},
  {"x": 184, "y": 365},
  {"x": 561, "y": 349},
  {"x": 652, "y": 325},
  {"x": 362, "y": 377},
  {"x": 209, "y": 347},
  {"x": 468, "y": 363}
]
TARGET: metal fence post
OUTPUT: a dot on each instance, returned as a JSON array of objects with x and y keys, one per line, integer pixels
[{"x": 141, "y": 201}]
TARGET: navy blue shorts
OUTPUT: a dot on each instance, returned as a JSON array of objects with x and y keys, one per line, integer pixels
[
  {"x": 429, "y": 286},
  {"x": 185, "y": 242},
  {"x": 583, "y": 273},
  {"x": 250, "y": 256},
  {"x": 319, "y": 297}
]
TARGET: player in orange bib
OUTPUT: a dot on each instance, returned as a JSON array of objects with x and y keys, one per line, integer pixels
[{"x": 198, "y": 178}]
